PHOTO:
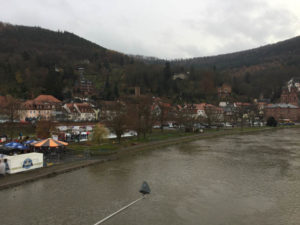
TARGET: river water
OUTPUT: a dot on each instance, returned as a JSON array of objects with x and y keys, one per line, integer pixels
[{"x": 240, "y": 179}]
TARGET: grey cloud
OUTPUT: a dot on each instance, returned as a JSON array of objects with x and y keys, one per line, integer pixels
[
  {"x": 169, "y": 28},
  {"x": 239, "y": 27}
]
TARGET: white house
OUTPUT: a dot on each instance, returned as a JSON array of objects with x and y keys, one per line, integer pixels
[{"x": 81, "y": 112}]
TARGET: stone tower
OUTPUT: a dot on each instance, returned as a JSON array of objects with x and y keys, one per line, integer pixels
[{"x": 289, "y": 97}]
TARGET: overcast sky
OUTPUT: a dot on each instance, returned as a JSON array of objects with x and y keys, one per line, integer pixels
[{"x": 163, "y": 28}]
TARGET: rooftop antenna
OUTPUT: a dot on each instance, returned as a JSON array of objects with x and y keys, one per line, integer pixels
[{"x": 144, "y": 190}]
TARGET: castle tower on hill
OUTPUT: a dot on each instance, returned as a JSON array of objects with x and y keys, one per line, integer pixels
[
  {"x": 290, "y": 97},
  {"x": 83, "y": 87}
]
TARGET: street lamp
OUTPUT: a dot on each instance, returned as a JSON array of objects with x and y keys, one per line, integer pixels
[{"x": 144, "y": 190}]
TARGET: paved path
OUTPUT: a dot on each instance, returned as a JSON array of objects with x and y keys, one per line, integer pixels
[{"x": 20, "y": 178}]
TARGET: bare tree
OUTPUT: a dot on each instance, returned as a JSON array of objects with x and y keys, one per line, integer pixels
[
  {"x": 253, "y": 113},
  {"x": 44, "y": 129},
  {"x": 140, "y": 116},
  {"x": 213, "y": 114},
  {"x": 186, "y": 117},
  {"x": 163, "y": 115},
  {"x": 229, "y": 115},
  {"x": 10, "y": 110},
  {"x": 115, "y": 117},
  {"x": 241, "y": 114}
]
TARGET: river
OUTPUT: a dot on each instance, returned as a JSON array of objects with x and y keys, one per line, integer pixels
[{"x": 238, "y": 179}]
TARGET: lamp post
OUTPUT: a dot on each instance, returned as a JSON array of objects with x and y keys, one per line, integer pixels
[{"x": 144, "y": 190}]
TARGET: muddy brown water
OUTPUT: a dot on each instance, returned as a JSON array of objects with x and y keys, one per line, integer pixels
[{"x": 239, "y": 179}]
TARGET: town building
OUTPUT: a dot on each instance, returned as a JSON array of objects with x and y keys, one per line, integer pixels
[
  {"x": 287, "y": 108},
  {"x": 83, "y": 87},
  {"x": 199, "y": 110},
  {"x": 180, "y": 76},
  {"x": 229, "y": 111},
  {"x": 290, "y": 96},
  {"x": 3, "y": 104},
  {"x": 43, "y": 107},
  {"x": 205, "y": 110},
  {"x": 282, "y": 111},
  {"x": 81, "y": 112},
  {"x": 294, "y": 82},
  {"x": 224, "y": 91}
]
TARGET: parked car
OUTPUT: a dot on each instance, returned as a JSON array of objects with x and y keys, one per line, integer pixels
[
  {"x": 199, "y": 126},
  {"x": 258, "y": 124}
]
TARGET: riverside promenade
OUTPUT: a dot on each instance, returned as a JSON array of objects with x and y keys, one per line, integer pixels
[
  {"x": 9, "y": 181},
  {"x": 17, "y": 179}
]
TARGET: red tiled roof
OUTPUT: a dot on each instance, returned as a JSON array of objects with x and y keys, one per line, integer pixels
[
  {"x": 167, "y": 105},
  {"x": 200, "y": 106},
  {"x": 28, "y": 102},
  {"x": 42, "y": 102},
  {"x": 46, "y": 98},
  {"x": 242, "y": 104},
  {"x": 84, "y": 107},
  {"x": 71, "y": 107}
]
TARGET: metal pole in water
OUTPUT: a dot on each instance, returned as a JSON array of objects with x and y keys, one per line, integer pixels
[
  {"x": 120, "y": 210},
  {"x": 144, "y": 190}
]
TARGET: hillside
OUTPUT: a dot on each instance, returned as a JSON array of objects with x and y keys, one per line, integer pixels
[
  {"x": 259, "y": 71},
  {"x": 252, "y": 73},
  {"x": 285, "y": 52},
  {"x": 34, "y": 60}
]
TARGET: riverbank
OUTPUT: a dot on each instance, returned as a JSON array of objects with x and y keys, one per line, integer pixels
[{"x": 17, "y": 179}]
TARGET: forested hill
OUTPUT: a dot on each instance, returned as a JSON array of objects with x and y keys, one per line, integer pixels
[
  {"x": 36, "y": 40},
  {"x": 285, "y": 52},
  {"x": 34, "y": 61},
  {"x": 261, "y": 71},
  {"x": 257, "y": 72},
  {"x": 31, "y": 56}
]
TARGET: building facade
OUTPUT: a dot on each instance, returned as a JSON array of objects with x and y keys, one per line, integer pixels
[
  {"x": 80, "y": 112},
  {"x": 224, "y": 91},
  {"x": 282, "y": 111},
  {"x": 43, "y": 107},
  {"x": 290, "y": 96}
]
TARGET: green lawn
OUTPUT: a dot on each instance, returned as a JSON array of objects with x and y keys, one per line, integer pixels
[{"x": 111, "y": 146}]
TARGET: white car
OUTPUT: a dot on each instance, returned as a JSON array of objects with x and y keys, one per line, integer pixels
[{"x": 227, "y": 124}]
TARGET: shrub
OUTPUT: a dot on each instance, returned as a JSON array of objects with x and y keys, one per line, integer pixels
[
  {"x": 271, "y": 122},
  {"x": 100, "y": 132}
]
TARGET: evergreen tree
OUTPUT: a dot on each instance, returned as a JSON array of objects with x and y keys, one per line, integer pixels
[
  {"x": 107, "y": 91},
  {"x": 167, "y": 75},
  {"x": 116, "y": 91},
  {"x": 53, "y": 84}
]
